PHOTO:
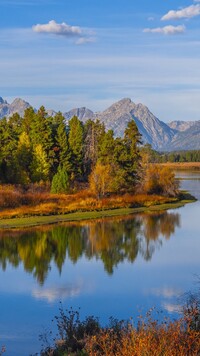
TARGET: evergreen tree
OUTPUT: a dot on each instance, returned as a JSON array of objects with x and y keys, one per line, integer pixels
[
  {"x": 60, "y": 182},
  {"x": 107, "y": 147},
  {"x": 15, "y": 123},
  {"x": 42, "y": 135},
  {"x": 76, "y": 146},
  {"x": 8, "y": 139},
  {"x": 62, "y": 149},
  {"x": 27, "y": 120},
  {"x": 132, "y": 141}
]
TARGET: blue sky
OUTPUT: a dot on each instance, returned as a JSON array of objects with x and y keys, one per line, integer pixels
[{"x": 73, "y": 53}]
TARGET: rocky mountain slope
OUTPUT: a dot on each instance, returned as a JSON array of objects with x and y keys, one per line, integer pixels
[
  {"x": 83, "y": 114},
  {"x": 117, "y": 116},
  {"x": 17, "y": 106},
  {"x": 188, "y": 139},
  {"x": 181, "y": 125},
  {"x": 177, "y": 135}
]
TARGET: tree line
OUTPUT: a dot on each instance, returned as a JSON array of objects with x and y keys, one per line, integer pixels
[
  {"x": 181, "y": 156},
  {"x": 38, "y": 148},
  {"x": 176, "y": 156}
]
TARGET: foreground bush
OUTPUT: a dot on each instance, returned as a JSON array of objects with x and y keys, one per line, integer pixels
[{"x": 149, "y": 338}]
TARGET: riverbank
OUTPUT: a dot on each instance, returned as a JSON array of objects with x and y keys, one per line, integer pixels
[{"x": 107, "y": 207}]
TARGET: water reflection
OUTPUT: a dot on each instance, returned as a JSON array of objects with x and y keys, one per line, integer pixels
[{"x": 110, "y": 240}]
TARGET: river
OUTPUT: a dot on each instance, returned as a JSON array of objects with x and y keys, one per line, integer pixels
[{"x": 117, "y": 267}]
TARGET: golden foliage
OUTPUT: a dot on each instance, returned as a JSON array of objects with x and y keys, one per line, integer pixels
[
  {"x": 100, "y": 179},
  {"x": 160, "y": 180}
]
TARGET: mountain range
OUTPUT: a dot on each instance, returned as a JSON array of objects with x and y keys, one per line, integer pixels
[{"x": 177, "y": 135}]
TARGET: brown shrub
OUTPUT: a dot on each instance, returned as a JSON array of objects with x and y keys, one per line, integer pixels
[{"x": 13, "y": 197}]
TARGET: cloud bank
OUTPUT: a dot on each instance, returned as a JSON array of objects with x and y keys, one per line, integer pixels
[
  {"x": 167, "y": 30},
  {"x": 65, "y": 30},
  {"x": 187, "y": 12}
]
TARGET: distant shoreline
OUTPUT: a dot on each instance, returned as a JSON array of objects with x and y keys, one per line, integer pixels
[{"x": 182, "y": 165}]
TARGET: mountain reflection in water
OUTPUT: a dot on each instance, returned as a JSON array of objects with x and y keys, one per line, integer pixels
[{"x": 110, "y": 240}]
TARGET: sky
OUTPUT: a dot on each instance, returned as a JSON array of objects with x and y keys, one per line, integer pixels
[{"x": 72, "y": 53}]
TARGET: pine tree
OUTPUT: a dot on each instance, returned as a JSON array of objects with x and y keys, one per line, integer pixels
[
  {"x": 62, "y": 149},
  {"x": 42, "y": 135},
  {"x": 76, "y": 146},
  {"x": 106, "y": 148},
  {"x": 60, "y": 182},
  {"x": 15, "y": 122},
  {"x": 8, "y": 139},
  {"x": 28, "y": 118},
  {"x": 132, "y": 141}
]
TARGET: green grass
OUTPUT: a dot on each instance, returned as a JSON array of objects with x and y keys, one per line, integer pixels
[{"x": 77, "y": 216}]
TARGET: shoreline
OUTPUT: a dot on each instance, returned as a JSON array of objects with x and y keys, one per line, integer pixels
[{"x": 37, "y": 220}]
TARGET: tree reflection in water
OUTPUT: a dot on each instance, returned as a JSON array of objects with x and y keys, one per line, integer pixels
[{"x": 110, "y": 240}]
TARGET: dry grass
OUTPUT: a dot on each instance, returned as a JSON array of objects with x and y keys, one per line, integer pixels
[
  {"x": 150, "y": 339},
  {"x": 182, "y": 165},
  {"x": 16, "y": 203}
]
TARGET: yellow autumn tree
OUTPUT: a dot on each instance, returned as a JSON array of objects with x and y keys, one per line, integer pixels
[
  {"x": 100, "y": 179},
  {"x": 40, "y": 165},
  {"x": 23, "y": 158}
]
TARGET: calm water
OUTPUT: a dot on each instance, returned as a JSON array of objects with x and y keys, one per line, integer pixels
[{"x": 107, "y": 267}]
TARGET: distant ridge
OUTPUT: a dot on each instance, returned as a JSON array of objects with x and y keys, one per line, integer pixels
[
  {"x": 17, "y": 106},
  {"x": 177, "y": 135}
]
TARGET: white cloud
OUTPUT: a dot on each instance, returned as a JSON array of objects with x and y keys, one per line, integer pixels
[
  {"x": 167, "y": 30},
  {"x": 58, "y": 29},
  {"x": 187, "y": 12},
  {"x": 65, "y": 30}
]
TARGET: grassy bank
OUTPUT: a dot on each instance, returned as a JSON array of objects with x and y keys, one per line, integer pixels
[{"x": 83, "y": 209}]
